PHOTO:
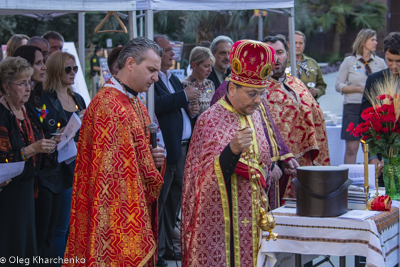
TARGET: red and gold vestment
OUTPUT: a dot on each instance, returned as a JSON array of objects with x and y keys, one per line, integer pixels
[
  {"x": 116, "y": 186},
  {"x": 206, "y": 204},
  {"x": 301, "y": 123}
]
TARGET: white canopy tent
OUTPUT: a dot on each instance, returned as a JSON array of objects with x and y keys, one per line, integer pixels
[
  {"x": 212, "y": 4},
  {"x": 14, "y": 7},
  {"x": 286, "y": 6}
]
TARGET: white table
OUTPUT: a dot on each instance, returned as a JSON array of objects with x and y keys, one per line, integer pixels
[
  {"x": 376, "y": 238},
  {"x": 337, "y": 146}
]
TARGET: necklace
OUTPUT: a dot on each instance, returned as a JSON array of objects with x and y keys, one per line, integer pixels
[
  {"x": 66, "y": 100},
  {"x": 11, "y": 111},
  {"x": 201, "y": 87},
  {"x": 136, "y": 106},
  {"x": 27, "y": 124}
]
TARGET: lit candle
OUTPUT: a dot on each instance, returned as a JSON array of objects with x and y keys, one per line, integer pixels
[{"x": 366, "y": 184}]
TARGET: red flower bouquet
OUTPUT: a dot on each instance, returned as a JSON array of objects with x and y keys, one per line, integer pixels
[
  {"x": 381, "y": 128},
  {"x": 381, "y": 131}
]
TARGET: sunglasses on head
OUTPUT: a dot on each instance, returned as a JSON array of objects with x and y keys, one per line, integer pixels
[{"x": 69, "y": 69}]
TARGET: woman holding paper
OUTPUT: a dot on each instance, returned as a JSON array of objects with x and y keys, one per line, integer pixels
[
  {"x": 20, "y": 140},
  {"x": 45, "y": 201},
  {"x": 61, "y": 102}
]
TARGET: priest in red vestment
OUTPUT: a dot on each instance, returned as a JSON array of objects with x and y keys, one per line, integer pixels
[
  {"x": 116, "y": 182},
  {"x": 228, "y": 166},
  {"x": 297, "y": 115}
]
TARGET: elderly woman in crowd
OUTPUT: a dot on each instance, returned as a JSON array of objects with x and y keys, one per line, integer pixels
[
  {"x": 20, "y": 140},
  {"x": 61, "y": 102},
  {"x": 350, "y": 82},
  {"x": 201, "y": 60},
  {"x": 14, "y": 42}
]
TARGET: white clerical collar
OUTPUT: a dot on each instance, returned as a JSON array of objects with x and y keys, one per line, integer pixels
[{"x": 115, "y": 84}]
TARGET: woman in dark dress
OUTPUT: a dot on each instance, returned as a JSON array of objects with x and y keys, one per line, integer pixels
[
  {"x": 46, "y": 203},
  {"x": 20, "y": 140},
  {"x": 61, "y": 103}
]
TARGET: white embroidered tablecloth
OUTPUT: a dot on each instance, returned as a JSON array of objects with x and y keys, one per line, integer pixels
[{"x": 376, "y": 238}]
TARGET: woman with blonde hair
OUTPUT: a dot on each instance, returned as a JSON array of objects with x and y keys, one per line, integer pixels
[
  {"x": 201, "y": 59},
  {"x": 61, "y": 102},
  {"x": 14, "y": 42},
  {"x": 20, "y": 140},
  {"x": 350, "y": 82}
]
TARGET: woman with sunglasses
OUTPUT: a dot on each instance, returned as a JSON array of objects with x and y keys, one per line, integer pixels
[
  {"x": 60, "y": 103},
  {"x": 20, "y": 140}
]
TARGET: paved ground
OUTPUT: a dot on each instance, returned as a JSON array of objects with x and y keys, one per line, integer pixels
[
  {"x": 332, "y": 101},
  {"x": 174, "y": 264}
]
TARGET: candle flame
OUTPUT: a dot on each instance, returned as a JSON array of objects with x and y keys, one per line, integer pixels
[
  {"x": 76, "y": 106},
  {"x": 58, "y": 125},
  {"x": 6, "y": 160},
  {"x": 362, "y": 141}
]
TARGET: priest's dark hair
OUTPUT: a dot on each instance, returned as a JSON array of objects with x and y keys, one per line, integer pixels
[
  {"x": 137, "y": 48},
  {"x": 274, "y": 39}
]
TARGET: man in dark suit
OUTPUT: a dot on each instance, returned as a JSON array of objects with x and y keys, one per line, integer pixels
[
  {"x": 391, "y": 47},
  {"x": 174, "y": 110},
  {"x": 220, "y": 48}
]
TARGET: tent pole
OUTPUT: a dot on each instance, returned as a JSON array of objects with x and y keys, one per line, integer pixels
[
  {"x": 81, "y": 39},
  {"x": 141, "y": 23},
  {"x": 292, "y": 46},
  {"x": 149, "y": 30},
  {"x": 132, "y": 24},
  {"x": 260, "y": 27}
]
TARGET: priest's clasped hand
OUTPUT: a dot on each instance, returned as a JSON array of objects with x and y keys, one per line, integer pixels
[
  {"x": 276, "y": 174},
  {"x": 290, "y": 166},
  {"x": 242, "y": 140},
  {"x": 158, "y": 156}
]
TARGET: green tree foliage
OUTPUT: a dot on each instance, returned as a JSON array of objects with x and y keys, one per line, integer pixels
[
  {"x": 67, "y": 25},
  {"x": 303, "y": 21},
  {"x": 338, "y": 15}
]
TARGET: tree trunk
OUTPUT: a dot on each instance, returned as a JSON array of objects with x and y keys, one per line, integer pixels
[{"x": 336, "y": 44}]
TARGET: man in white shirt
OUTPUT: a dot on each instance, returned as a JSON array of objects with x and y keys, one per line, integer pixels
[{"x": 174, "y": 112}]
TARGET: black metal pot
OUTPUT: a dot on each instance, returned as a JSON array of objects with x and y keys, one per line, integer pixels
[{"x": 322, "y": 191}]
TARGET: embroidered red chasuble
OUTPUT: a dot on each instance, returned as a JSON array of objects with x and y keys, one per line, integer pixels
[
  {"x": 301, "y": 123},
  {"x": 206, "y": 220},
  {"x": 116, "y": 185}
]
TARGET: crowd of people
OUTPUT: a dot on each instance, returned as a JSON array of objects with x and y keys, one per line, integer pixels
[
  {"x": 230, "y": 137},
  {"x": 38, "y": 100}
]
